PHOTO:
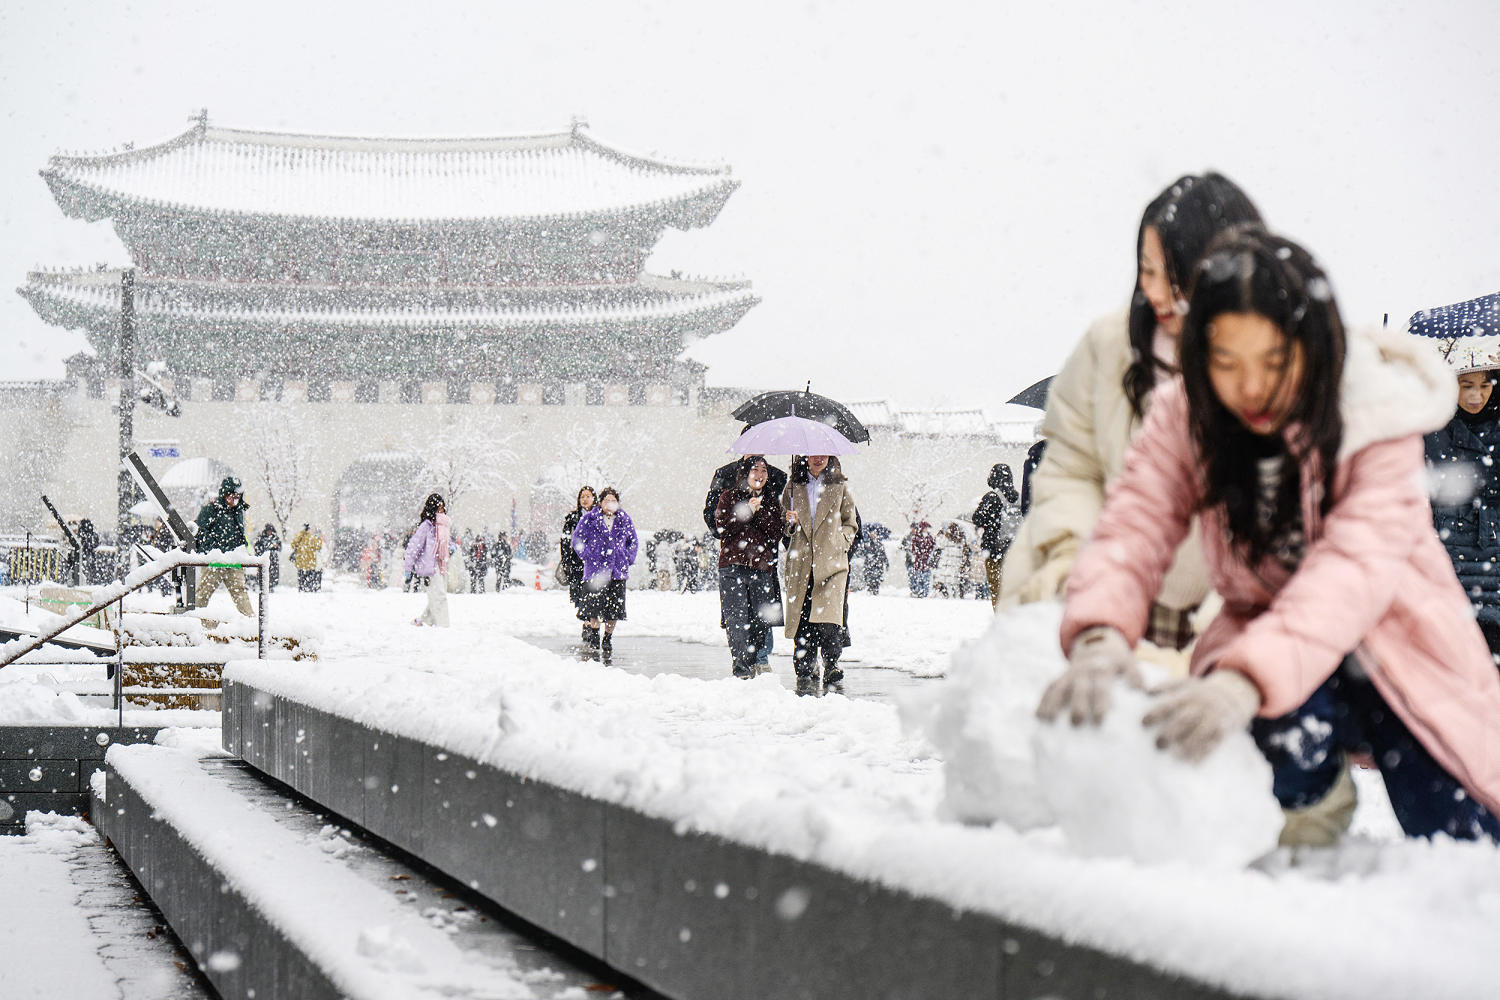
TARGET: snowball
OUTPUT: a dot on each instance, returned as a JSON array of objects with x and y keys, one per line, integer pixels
[
  {"x": 1113, "y": 793},
  {"x": 980, "y": 718}
]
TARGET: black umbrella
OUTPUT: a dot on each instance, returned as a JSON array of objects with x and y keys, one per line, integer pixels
[
  {"x": 790, "y": 403},
  {"x": 1034, "y": 395}
]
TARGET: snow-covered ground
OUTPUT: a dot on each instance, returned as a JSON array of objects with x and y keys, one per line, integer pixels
[
  {"x": 873, "y": 790},
  {"x": 70, "y": 926}
]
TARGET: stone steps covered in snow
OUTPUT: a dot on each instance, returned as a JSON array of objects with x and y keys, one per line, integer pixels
[
  {"x": 46, "y": 768},
  {"x": 690, "y": 914},
  {"x": 274, "y": 900}
]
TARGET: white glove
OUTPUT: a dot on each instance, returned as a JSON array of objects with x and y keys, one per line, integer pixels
[
  {"x": 1100, "y": 655},
  {"x": 1194, "y": 715}
]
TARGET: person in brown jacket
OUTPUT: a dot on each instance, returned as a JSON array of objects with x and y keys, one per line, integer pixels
[
  {"x": 749, "y": 522},
  {"x": 821, "y": 528}
]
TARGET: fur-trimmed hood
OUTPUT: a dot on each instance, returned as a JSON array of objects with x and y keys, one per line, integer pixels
[{"x": 1392, "y": 386}]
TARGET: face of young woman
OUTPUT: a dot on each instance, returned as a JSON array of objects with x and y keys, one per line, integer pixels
[
  {"x": 816, "y": 464},
  {"x": 1157, "y": 286},
  {"x": 1474, "y": 390},
  {"x": 757, "y": 476},
  {"x": 1255, "y": 371},
  {"x": 586, "y": 499},
  {"x": 610, "y": 504}
]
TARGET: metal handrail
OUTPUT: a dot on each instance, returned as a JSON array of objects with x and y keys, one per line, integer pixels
[{"x": 148, "y": 574}]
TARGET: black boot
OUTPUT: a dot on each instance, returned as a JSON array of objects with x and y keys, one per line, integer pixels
[
  {"x": 832, "y": 675},
  {"x": 590, "y": 650},
  {"x": 606, "y": 650}
]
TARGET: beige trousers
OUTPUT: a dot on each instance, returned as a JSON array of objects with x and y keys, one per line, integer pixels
[
  {"x": 992, "y": 577},
  {"x": 212, "y": 578}
]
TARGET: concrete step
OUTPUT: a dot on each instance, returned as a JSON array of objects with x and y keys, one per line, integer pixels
[
  {"x": 691, "y": 915},
  {"x": 305, "y": 906}
]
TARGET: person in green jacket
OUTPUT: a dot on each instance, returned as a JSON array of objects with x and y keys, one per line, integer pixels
[{"x": 221, "y": 527}]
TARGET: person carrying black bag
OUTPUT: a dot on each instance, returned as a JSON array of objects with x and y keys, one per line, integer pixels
[{"x": 570, "y": 565}]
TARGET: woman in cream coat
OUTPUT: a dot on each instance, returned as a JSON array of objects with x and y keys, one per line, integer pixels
[
  {"x": 1096, "y": 404},
  {"x": 821, "y": 525}
]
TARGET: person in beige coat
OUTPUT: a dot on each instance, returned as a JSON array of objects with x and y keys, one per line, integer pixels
[
  {"x": 821, "y": 526},
  {"x": 1096, "y": 404}
]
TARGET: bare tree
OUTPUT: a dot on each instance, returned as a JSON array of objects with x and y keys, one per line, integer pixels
[
  {"x": 464, "y": 456},
  {"x": 283, "y": 463},
  {"x": 936, "y": 469}
]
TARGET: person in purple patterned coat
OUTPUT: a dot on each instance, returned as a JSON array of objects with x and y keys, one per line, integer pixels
[{"x": 606, "y": 541}]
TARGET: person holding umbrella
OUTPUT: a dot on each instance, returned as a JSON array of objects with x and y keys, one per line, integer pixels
[
  {"x": 725, "y": 477},
  {"x": 821, "y": 526},
  {"x": 749, "y": 523},
  {"x": 1463, "y": 476}
]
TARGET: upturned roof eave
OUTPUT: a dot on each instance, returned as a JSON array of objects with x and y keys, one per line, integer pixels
[
  {"x": 95, "y": 305},
  {"x": 68, "y": 170},
  {"x": 693, "y": 210}
]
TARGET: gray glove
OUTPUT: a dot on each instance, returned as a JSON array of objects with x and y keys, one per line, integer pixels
[
  {"x": 1100, "y": 655},
  {"x": 1194, "y": 715}
]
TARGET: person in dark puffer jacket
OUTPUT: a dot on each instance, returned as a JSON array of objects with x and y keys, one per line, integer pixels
[{"x": 1466, "y": 494}]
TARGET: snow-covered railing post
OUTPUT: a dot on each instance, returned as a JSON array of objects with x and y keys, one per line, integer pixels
[
  {"x": 119, "y": 687},
  {"x": 260, "y": 627}
]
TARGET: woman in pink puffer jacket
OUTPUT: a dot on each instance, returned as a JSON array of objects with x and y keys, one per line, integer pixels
[{"x": 1344, "y": 628}]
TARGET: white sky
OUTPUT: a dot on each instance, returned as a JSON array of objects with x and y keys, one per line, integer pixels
[{"x": 936, "y": 198}]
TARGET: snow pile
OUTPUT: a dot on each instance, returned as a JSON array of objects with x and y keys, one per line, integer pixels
[
  {"x": 37, "y": 701},
  {"x": 981, "y": 719},
  {"x": 1109, "y": 789},
  {"x": 1114, "y": 794}
]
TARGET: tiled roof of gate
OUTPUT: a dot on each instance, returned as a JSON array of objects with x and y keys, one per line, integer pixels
[
  {"x": 91, "y": 299},
  {"x": 236, "y": 172}
]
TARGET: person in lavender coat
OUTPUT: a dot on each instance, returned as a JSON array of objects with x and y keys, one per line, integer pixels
[
  {"x": 427, "y": 560},
  {"x": 606, "y": 541}
]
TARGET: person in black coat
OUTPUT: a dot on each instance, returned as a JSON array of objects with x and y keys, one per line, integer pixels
[
  {"x": 573, "y": 564},
  {"x": 88, "y": 546},
  {"x": 269, "y": 542},
  {"x": 725, "y": 477},
  {"x": 996, "y": 517},
  {"x": 1466, "y": 495}
]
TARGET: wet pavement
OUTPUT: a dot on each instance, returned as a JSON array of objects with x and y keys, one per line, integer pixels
[{"x": 651, "y": 655}]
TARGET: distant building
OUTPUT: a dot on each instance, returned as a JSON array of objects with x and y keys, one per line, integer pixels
[
  {"x": 357, "y": 269},
  {"x": 370, "y": 319}
]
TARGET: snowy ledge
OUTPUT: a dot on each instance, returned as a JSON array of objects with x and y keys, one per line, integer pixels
[{"x": 836, "y": 785}]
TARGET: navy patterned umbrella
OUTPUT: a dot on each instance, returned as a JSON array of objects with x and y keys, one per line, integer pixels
[{"x": 1467, "y": 334}]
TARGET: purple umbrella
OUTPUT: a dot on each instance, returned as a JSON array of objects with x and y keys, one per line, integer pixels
[{"x": 792, "y": 436}]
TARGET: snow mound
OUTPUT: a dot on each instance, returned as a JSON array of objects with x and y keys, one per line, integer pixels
[
  {"x": 981, "y": 718},
  {"x": 1109, "y": 790},
  {"x": 23, "y": 702},
  {"x": 1113, "y": 793}
]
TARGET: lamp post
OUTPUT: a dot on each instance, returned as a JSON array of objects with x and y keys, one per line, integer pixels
[{"x": 127, "y": 397}]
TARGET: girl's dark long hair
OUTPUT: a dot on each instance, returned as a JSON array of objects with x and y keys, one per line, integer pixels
[
  {"x": 431, "y": 507},
  {"x": 1251, "y": 271},
  {"x": 578, "y": 500},
  {"x": 1187, "y": 216},
  {"x": 800, "y": 473}
]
